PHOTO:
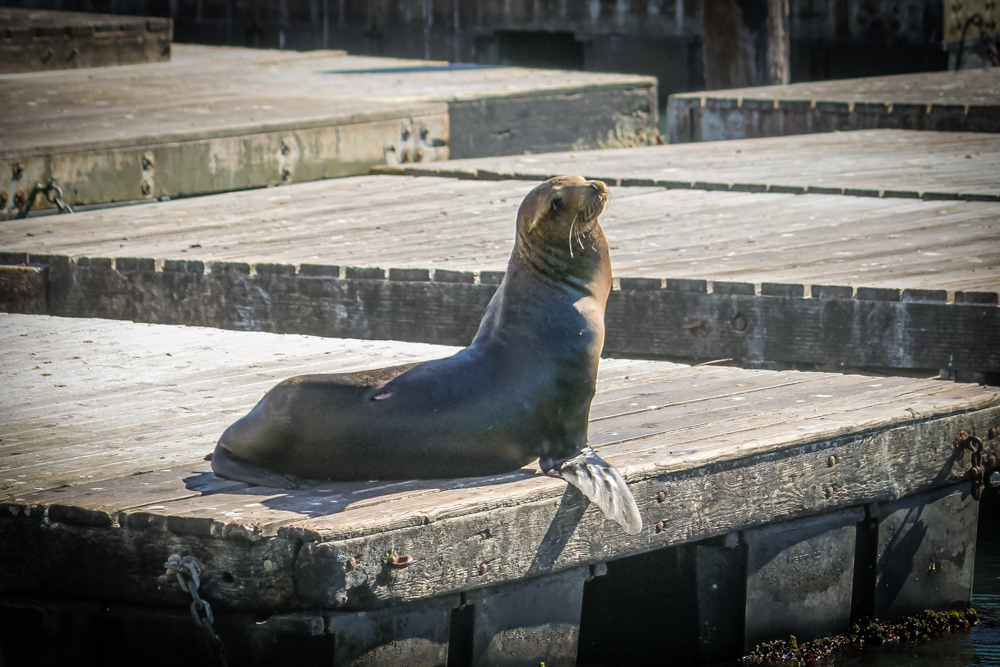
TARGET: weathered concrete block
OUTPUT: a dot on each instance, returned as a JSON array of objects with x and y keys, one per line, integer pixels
[
  {"x": 926, "y": 552},
  {"x": 799, "y": 577},
  {"x": 22, "y": 289},
  {"x": 531, "y": 621}
]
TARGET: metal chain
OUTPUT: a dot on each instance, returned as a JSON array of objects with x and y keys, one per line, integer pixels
[
  {"x": 52, "y": 192},
  {"x": 980, "y": 464},
  {"x": 186, "y": 573},
  {"x": 984, "y": 36}
]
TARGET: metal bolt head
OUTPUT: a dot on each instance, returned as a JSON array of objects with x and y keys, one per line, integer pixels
[
  {"x": 286, "y": 173},
  {"x": 418, "y": 155},
  {"x": 829, "y": 492},
  {"x": 406, "y": 155},
  {"x": 148, "y": 160},
  {"x": 17, "y": 170},
  {"x": 405, "y": 133},
  {"x": 659, "y": 526},
  {"x": 146, "y": 186},
  {"x": 832, "y": 461},
  {"x": 284, "y": 147},
  {"x": 992, "y": 434},
  {"x": 740, "y": 323},
  {"x": 661, "y": 497},
  {"x": 3, "y": 200},
  {"x": 483, "y": 569},
  {"x": 20, "y": 198}
]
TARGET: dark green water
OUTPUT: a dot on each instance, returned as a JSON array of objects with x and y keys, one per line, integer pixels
[{"x": 979, "y": 646}]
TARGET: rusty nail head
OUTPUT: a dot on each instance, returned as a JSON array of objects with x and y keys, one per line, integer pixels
[
  {"x": 352, "y": 563},
  {"x": 406, "y": 155},
  {"x": 740, "y": 323},
  {"x": 148, "y": 160},
  {"x": 3, "y": 200},
  {"x": 286, "y": 173},
  {"x": 832, "y": 461},
  {"x": 399, "y": 562},
  {"x": 17, "y": 170},
  {"x": 661, "y": 497},
  {"x": 418, "y": 155},
  {"x": 659, "y": 526},
  {"x": 993, "y": 433},
  {"x": 20, "y": 198},
  {"x": 829, "y": 492},
  {"x": 405, "y": 134},
  {"x": 284, "y": 147},
  {"x": 483, "y": 569},
  {"x": 147, "y": 186}
]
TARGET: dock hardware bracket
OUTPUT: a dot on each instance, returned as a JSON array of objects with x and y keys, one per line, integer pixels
[
  {"x": 980, "y": 465},
  {"x": 52, "y": 192},
  {"x": 185, "y": 572}
]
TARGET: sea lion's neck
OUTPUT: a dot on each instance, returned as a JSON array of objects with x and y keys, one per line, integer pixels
[{"x": 582, "y": 265}]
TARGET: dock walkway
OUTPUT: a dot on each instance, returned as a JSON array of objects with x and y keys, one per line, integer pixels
[
  {"x": 963, "y": 101},
  {"x": 217, "y": 119},
  {"x": 107, "y": 424},
  {"x": 826, "y": 282}
]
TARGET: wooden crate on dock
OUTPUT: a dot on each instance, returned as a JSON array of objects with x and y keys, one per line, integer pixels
[
  {"x": 102, "y": 478},
  {"x": 963, "y": 101},
  {"x": 35, "y": 40},
  {"x": 219, "y": 119}
]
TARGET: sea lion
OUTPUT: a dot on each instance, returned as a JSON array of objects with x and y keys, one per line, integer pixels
[{"x": 520, "y": 391}]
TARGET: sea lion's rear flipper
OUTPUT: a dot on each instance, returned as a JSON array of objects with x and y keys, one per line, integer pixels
[
  {"x": 604, "y": 485},
  {"x": 227, "y": 465}
]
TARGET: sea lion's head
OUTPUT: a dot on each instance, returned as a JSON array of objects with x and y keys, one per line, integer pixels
[{"x": 561, "y": 213}]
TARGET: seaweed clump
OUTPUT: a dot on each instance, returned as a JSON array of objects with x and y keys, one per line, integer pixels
[{"x": 865, "y": 632}]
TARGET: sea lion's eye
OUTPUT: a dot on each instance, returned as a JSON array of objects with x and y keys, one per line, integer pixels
[{"x": 556, "y": 204}]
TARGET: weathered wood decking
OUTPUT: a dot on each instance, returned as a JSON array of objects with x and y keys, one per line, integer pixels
[
  {"x": 221, "y": 119},
  {"x": 817, "y": 281},
  {"x": 105, "y": 426},
  {"x": 875, "y": 163},
  {"x": 34, "y": 40},
  {"x": 963, "y": 101}
]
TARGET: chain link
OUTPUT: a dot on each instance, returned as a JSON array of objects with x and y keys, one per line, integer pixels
[
  {"x": 186, "y": 573},
  {"x": 53, "y": 193}
]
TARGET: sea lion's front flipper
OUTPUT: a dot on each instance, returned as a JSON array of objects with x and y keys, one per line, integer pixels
[{"x": 604, "y": 485}]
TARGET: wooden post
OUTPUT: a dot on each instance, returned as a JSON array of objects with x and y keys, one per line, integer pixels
[
  {"x": 926, "y": 552},
  {"x": 745, "y": 43}
]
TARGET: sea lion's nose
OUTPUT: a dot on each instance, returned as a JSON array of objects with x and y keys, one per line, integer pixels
[{"x": 600, "y": 188}]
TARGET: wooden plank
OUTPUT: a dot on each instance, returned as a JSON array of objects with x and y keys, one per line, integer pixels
[
  {"x": 729, "y": 448},
  {"x": 217, "y": 119},
  {"x": 822, "y": 281},
  {"x": 33, "y": 40},
  {"x": 875, "y": 163},
  {"x": 962, "y": 101}
]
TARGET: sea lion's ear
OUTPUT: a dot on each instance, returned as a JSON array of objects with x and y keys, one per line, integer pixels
[{"x": 604, "y": 485}]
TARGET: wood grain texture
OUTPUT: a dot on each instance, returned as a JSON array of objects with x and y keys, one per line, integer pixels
[
  {"x": 876, "y": 163},
  {"x": 103, "y": 440}
]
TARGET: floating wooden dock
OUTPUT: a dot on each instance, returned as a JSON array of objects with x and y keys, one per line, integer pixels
[
  {"x": 33, "y": 40},
  {"x": 768, "y": 280},
  {"x": 217, "y": 119},
  {"x": 737, "y": 474},
  {"x": 963, "y": 101},
  {"x": 877, "y": 163}
]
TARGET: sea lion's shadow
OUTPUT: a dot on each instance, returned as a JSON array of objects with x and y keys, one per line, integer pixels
[{"x": 319, "y": 498}]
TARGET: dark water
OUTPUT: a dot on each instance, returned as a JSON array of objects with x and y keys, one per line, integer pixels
[{"x": 979, "y": 646}]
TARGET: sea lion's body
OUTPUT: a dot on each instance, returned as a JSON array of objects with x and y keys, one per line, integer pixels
[{"x": 520, "y": 391}]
